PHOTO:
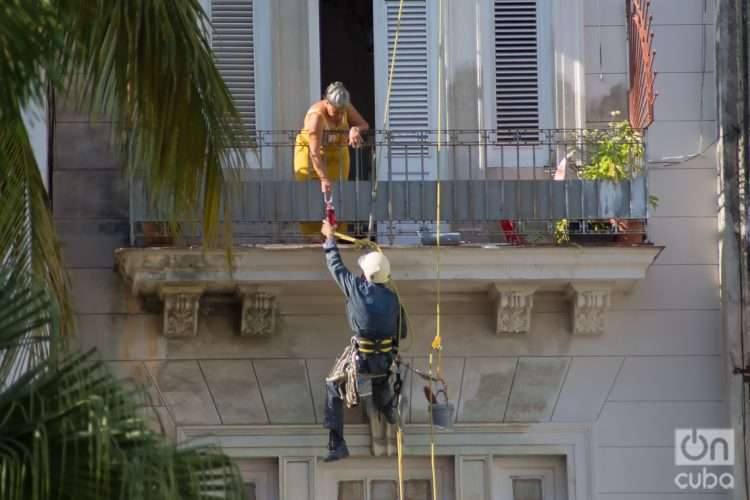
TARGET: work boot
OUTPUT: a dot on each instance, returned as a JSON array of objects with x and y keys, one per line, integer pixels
[{"x": 337, "y": 452}]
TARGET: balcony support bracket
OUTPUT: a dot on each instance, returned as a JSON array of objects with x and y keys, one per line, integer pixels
[
  {"x": 259, "y": 310},
  {"x": 513, "y": 304},
  {"x": 181, "y": 305},
  {"x": 589, "y": 304}
]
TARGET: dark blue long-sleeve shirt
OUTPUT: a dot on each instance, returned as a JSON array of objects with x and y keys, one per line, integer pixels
[{"x": 373, "y": 310}]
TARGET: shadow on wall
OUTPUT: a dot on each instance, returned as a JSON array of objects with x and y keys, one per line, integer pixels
[{"x": 599, "y": 108}]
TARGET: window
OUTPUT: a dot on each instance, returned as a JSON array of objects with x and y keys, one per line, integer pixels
[
  {"x": 413, "y": 96},
  {"x": 384, "y": 489},
  {"x": 517, "y": 54},
  {"x": 527, "y": 488},
  {"x": 260, "y": 477},
  {"x": 233, "y": 43},
  {"x": 518, "y": 80},
  {"x": 240, "y": 41},
  {"x": 376, "y": 479},
  {"x": 529, "y": 478},
  {"x": 409, "y": 103}
]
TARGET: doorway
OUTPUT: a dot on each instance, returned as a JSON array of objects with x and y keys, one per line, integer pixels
[{"x": 347, "y": 55}]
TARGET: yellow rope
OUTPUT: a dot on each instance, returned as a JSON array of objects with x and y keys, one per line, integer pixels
[
  {"x": 393, "y": 64},
  {"x": 437, "y": 342},
  {"x": 386, "y": 110},
  {"x": 400, "y": 452}
]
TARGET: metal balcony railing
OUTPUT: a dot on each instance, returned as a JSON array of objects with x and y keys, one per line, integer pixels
[{"x": 511, "y": 187}]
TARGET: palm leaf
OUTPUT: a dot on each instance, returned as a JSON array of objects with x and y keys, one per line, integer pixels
[
  {"x": 148, "y": 65},
  {"x": 28, "y": 240},
  {"x": 32, "y": 35},
  {"x": 70, "y": 430}
]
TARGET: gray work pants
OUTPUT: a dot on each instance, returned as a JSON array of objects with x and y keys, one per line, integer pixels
[{"x": 382, "y": 392}]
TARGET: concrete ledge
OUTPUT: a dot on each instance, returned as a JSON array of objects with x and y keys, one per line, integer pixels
[
  {"x": 509, "y": 275},
  {"x": 463, "y": 269}
]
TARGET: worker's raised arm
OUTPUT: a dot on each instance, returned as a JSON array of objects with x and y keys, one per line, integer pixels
[{"x": 343, "y": 277}]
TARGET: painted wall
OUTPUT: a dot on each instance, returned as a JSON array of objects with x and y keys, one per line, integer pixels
[
  {"x": 656, "y": 368},
  {"x": 660, "y": 386}
]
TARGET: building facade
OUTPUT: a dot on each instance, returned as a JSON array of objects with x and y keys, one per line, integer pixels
[{"x": 570, "y": 366}]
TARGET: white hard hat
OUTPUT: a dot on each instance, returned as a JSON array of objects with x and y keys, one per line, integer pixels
[{"x": 376, "y": 267}]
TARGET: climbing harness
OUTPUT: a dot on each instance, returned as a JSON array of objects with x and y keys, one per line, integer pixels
[
  {"x": 347, "y": 378},
  {"x": 368, "y": 346}
]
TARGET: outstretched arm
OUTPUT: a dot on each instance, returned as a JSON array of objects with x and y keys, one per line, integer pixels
[{"x": 343, "y": 277}]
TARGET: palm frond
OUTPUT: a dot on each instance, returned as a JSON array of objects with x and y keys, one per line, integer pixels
[
  {"x": 32, "y": 35},
  {"x": 148, "y": 65},
  {"x": 28, "y": 240},
  {"x": 69, "y": 429}
]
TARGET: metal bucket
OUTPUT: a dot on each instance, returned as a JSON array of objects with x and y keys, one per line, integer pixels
[{"x": 442, "y": 413}]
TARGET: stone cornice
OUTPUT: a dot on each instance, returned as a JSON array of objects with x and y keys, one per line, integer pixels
[
  {"x": 469, "y": 267},
  {"x": 511, "y": 276}
]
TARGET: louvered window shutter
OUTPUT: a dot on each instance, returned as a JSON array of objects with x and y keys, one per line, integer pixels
[
  {"x": 409, "y": 105},
  {"x": 233, "y": 44},
  {"x": 517, "y": 87}
]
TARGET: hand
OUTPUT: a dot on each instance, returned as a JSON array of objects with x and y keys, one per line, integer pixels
[
  {"x": 355, "y": 137},
  {"x": 327, "y": 230},
  {"x": 325, "y": 185}
]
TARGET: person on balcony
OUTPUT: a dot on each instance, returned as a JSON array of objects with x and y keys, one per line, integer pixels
[
  {"x": 378, "y": 321},
  {"x": 335, "y": 121}
]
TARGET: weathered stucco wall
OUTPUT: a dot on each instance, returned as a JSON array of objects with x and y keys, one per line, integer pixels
[
  {"x": 660, "y": 387},
  {"x": 656, "y": 368}
]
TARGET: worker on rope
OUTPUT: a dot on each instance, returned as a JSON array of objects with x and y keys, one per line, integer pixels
[{"x": 378, "y": 321}]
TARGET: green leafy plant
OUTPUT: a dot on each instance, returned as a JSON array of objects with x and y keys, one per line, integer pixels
[
  {"x": 614, "y": 153},
  {"x": 611, "y": 154},
  {"x": 560, "y": 235}
]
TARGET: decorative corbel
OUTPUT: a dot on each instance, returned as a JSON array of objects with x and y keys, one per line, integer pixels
[
  {"x": 588, "y": 307},
  {"x": 259, "y": 310},
  {"x": 513, "y": 304},
  {"x": 181, "y": 304}
]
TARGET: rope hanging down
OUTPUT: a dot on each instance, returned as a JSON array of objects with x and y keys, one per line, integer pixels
[{"x": 386, "y": 112}]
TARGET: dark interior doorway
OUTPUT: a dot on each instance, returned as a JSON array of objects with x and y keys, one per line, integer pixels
[{"x": 347, "y": 55}]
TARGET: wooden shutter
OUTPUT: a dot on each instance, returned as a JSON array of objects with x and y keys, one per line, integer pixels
[
  {"x": 409, "y": 105},
  {"x": 516, "y": 68},
  {"x": 233, "y": 43}
]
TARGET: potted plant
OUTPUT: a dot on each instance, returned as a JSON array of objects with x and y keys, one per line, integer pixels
[{"x": 615, "y": 154}]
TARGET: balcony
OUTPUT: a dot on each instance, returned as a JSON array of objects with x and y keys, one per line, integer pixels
[
  {"x": 505, "y": 188},
  {"x": 502, "y": 197}
]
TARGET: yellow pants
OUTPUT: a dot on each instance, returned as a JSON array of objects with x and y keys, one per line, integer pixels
[{"x": 336, "y": 159}]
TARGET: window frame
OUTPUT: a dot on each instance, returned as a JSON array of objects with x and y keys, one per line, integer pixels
[{"x": 545, "y": 27}]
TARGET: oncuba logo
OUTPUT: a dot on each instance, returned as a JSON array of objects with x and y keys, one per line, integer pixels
[{"x": 704, "y": 448}]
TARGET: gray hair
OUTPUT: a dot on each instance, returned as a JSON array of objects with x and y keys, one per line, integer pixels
[{"x": 337, "y": 95}]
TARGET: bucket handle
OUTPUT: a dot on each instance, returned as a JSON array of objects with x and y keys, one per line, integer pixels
[{"x": 445, "y": 395}]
